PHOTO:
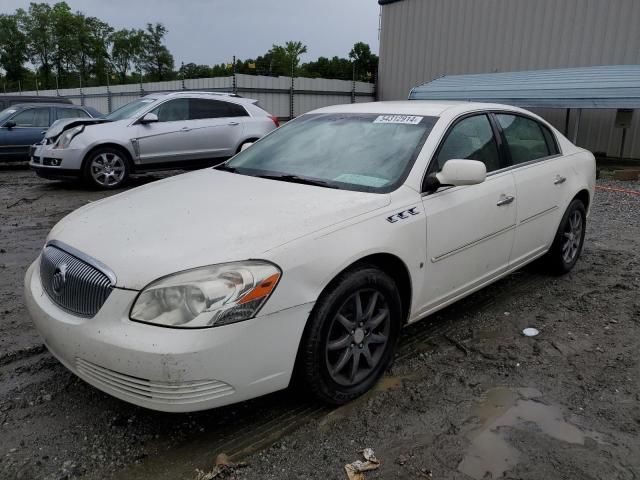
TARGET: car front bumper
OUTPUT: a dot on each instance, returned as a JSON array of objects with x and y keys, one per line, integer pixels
[
  {"x": 169, "y": 369},
  {"x": 56, "y": 163}
]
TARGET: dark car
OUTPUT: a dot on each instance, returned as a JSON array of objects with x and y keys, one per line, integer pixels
[
  {"x": 8, "y": 100},
  {"x": 24, "y": 124}
]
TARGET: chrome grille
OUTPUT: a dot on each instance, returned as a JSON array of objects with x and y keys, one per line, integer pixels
[{"x": 73, "y": 284}]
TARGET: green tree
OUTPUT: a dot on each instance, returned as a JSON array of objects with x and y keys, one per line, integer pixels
[
  {"x": 191, "y": 70},
  {"x": 39, "y": 29},
  {"x": 366, "y": 63},
  {"x": 285, "y": 59},
  {"x": 126, "y": 51},
  {"x": 156, "y": 60},
  {"x": 13, "y": 46},
  {"x": 92, "y": 47}
]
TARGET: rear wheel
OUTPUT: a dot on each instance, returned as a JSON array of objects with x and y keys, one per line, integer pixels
[
  {"x": 106, "y": 168},
  {"x": 569, "y": 239},
  {"x": 351, "y": 335}
]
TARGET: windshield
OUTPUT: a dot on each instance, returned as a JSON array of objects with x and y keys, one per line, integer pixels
[
  {"x": 131, "y": 109},
  {"x": 364, "y": 152},
  {"x": 6, "y": 113}
]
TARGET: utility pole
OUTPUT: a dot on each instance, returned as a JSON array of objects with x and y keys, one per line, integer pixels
[
  {"x": 291, "y": 104},
  {"x": 235, "y": 82},
  {"x": 353, "y": 83}
]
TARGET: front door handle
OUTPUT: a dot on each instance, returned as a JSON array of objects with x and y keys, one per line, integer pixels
[
  {"x": 234, "y": 124},
  {"x": 559, "y": 179},
  {"x": 505, "y": 200},
  {"x": 185, "y": 129}
]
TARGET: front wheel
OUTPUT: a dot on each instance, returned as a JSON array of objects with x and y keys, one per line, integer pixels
[
  {"x": 106, "y": 168},
  {"x": 569, "y": 239},
  {"x": 351, "y": 335}
]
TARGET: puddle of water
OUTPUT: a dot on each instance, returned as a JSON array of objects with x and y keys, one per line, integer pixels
[{"x": 505, "y": 407}]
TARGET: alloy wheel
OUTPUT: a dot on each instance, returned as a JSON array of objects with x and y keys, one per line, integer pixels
[
  {"x": 572, "y": 237},
  {"x": 358, "y": 337},
  {"x": 107, "y": 169}
]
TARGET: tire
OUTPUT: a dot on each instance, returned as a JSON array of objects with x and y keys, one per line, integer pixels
[
  {"x": 569, "y": 239},
  {"x": 334, "y": 340},
  {"x": 106, "y": 168}
]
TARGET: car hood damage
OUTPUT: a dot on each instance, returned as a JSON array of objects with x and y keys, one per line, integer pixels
[
  {"x": 60, "y": 126},
  {"x": 203, "y": 218}
]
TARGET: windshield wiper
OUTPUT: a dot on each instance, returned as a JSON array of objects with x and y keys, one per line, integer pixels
[{"x": 297, "y": 179}]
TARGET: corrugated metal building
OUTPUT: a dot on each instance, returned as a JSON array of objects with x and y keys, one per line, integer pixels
[{"x": 421, "y": 40}]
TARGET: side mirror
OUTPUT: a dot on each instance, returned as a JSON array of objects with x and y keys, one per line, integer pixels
[
  {"x": 10, "y": 124},
  {"x": 149, "y": 118},
  {"x": 245, "y": 146},
  {"x": 457, "y": 173}
]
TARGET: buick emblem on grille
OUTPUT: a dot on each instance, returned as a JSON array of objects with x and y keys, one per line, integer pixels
[{"x": 59, "y": 279}]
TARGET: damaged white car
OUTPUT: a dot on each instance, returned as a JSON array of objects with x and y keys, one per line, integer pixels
[{"x": 306, "y": 252}]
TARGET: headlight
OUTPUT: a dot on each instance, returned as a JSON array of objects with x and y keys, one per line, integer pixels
[
  {"x": 207, "y": 297},
  {"x": 66, "y": 137}
]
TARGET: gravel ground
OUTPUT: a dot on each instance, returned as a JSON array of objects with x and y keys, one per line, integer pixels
[{"x": 468, "y": 396}]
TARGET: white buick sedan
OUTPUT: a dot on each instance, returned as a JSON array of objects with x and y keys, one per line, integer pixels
[{"x": 307, "y": 252}]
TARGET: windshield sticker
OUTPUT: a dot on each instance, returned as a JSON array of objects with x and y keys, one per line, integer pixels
[
  {"x": 401, "y": 119},
  {"x": 365, "y": 180}
]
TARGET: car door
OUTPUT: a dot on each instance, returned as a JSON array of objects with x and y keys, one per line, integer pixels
[
  {"x": 540, "y": 182},
  {"x": 30, "y": 125},
  {"x": 166, "y": 140},
  {"x": 470, "y": 229},
  {"x": 216, "y": 127}
]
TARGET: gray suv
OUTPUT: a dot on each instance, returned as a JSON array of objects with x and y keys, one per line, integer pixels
[{"x": 158, "y": 131}]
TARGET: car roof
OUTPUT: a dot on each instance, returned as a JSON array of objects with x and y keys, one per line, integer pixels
[
  {"x": 412, "y": 107},
  {"x": 224, "y": 96},
  {"x": 45, "y": 104}
]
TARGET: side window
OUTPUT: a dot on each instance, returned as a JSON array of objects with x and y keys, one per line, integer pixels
[
  {"x": 524, "y": 137},
  {"x": 32, "y": 117},
  {"x": 70, "y": 113},
  {"x": 472, "y": 139},
  {"x": 552, "y": 143},
  {"x": 236, "y": 110},
  {"x": 203, "y": 108},
  {"x": 173, "y": 110}
]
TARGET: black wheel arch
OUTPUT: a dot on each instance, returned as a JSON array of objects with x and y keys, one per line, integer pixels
[{"x": 246, "y": 140}]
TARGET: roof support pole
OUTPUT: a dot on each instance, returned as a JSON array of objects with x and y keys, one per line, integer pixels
[
  {"x": 567, "y": 116},
  {"x": 574, "y": 137}
]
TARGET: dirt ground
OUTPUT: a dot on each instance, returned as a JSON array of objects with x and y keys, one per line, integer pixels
[{"x": 469, "y": 396}]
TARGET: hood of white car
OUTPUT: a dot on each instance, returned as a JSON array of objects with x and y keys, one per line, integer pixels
[{"x": 203, "y": 218}]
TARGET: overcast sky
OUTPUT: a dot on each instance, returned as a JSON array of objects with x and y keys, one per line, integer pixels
[{"x": 212, "y": 31}]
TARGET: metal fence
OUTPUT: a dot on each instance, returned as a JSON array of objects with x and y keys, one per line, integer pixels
[{"x": 282, "y": 96}]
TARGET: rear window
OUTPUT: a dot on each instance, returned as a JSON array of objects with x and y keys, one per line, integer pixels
[
  {"x": 525, "y": 138},
  {"x": 71, "y": 113}
]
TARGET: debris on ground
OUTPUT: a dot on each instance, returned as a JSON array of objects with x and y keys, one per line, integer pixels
[
  {"x": 530, "y": 332},
  {"x": 355, "y": 470},
  {"x": 224, "y": 468}
]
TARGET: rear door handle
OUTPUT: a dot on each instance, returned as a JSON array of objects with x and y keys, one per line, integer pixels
[
  {"x": 559, "y": 179},
  {"x": 505, "y": 200},
  {"x": 185, "y": 129},
  {"x": 234, "y": 124}
]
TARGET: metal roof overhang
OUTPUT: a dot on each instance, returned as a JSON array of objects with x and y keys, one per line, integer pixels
[{"x": 615, "y": 86}]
